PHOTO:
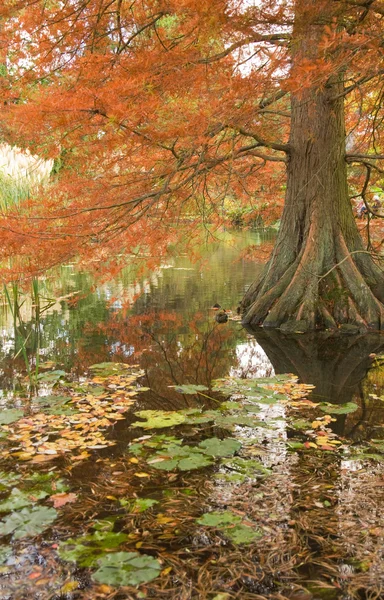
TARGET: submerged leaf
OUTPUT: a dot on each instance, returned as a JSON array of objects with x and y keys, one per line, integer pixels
[
  {"x": 28, "y": 522},
  {"x": 126, "y": 568},
  {"x": 243, "y": 534}
]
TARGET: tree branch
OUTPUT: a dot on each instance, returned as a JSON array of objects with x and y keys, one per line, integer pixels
[
  {"x": 357, "y": 84},
  {"x": 262, "y": 142},
  {"x": 365, "y": 4},
  {"x": 277, "y": 39}
]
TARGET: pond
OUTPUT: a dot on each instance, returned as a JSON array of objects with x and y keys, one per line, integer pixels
[{"x": 149, "y": 451}]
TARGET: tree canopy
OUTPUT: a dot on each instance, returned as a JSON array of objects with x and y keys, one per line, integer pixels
[{"x": 156, "y": 111}]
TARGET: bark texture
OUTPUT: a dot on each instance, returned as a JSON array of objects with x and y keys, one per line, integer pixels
[{"x": 319, "y": 272}]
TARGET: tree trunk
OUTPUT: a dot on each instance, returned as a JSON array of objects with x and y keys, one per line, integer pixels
[{"x": 319, "y": 272}]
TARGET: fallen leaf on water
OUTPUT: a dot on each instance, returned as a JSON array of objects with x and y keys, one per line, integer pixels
[{"x": 62, "y": 499}]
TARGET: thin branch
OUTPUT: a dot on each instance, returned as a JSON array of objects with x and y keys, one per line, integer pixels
[
  {"x": 365, "y": 4},
  {"x": 262, "y": 142},
  {"x": 357, "y": 84},
  {"x": 353, "y": 157},
  {"x": 277, "y": 39}
]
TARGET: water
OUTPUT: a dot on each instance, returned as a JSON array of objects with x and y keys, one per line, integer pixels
[{"x": 319, "y": 512}]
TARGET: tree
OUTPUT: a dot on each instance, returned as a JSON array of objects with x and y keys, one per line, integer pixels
[{"x": 158, "y": 110}]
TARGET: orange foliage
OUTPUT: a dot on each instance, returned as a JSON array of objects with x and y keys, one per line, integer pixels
[{"x": 158, "y": 111}]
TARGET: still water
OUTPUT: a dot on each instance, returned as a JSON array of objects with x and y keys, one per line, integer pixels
[{"x": 319, "y": 515}]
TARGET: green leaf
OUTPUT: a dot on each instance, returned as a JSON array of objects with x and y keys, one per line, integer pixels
[
  {"x": 247, "y": 467},
  {"x": 216, "y": 447},
  {"x": 219, "y": 519},
  {"x": 126, "y": 568},
  {"x": 109, "y": 368},
  {"x": 242, "y": 534},
  {"x": 196, "y": 461},
  {"x": 229, "y": 405},
  {"x": 5, "y": 554},
  {"x": 158, "y": 419},
  {"x": 87, "y": 549},
  {"x": 28, "y": 522},
  {"x": 376, "y": 457},
  {"x": 55, "y": 405},
  {"x": 51, "y": 376},
  {"x": 10, "y": 416},
  {"x": 189, "y": 388},
  {"x": 166, "y": 464},
  {"x": 18, "y": 499},
  {"x": 295, "y": 445},
  {"x": 106, "y": 524},
  {"x": 301, "y": 424},
  {"x": 338, "y": 409},
  {"x": 142, "y": 504},
  {"x": 8, "y": 479}
]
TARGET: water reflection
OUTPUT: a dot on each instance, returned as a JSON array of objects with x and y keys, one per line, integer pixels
[{"x": 339, "y": 367}]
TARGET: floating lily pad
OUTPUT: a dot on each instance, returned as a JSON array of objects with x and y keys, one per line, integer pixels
[
  {"x": 219, "y": 519},
  {"x": 126, "y": 568},
  {"x": 243, "y": 534},
  {"x": 55, "y": 405},
  {"x": 338, "y": 409},
  {"x": 105, "y": 369},
  {"x": 8, "y": 479},
  {"x": 28, "y": 522},
  {"x": 230, "y": 525},
  {"x": 138, "y": 505},
  {"x": 189, "y": 388},
  {"x": 10, "y": 416},
  {"x": 195, "y": 461},
  {"x": 18, "y": 499},
  {"x": 87, "y": 549},
  {"x": 158, "y": 419},
  {"x": 51, "y": 376},
  {"x": 216, "y": 447}
]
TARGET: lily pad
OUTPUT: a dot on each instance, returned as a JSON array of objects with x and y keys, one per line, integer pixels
[
  {"x": 87, "y": 549},
  {"x": 189, "y": 388},
  {"x": 105, "y": 369},
  {"x": 51, "y": 376},
  {"x": 8, "y": 479},
  {"x": 338, "y": 409},
  {"x": 195, "y": 461},
  {"x": 10, "y": 416},
  {"x": 216, "y": 447},
  {"x": 126, "y": 568},
  {"x": 158, "y": 419},
  {"x": 138, "y": 505},
  {"x": 243, "y": 534},
  {"x": 18, "y": 499},
  {"x": 28, "y": 522},
  {"x": 219, "y": 519}
]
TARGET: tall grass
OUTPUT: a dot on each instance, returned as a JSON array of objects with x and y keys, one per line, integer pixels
[{"x": 22, "y": 173}]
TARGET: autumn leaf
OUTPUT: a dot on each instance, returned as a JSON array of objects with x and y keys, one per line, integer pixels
[{"x": 62, "y": 499}]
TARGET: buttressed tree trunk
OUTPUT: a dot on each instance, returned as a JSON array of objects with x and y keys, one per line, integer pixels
[{"x": 319, "y": 272}]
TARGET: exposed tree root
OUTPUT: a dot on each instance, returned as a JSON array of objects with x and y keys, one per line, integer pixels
[{"x": 323, "y": 288}]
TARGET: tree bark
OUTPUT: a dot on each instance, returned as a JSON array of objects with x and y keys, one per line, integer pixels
[{"x": 319, "y": 272}]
